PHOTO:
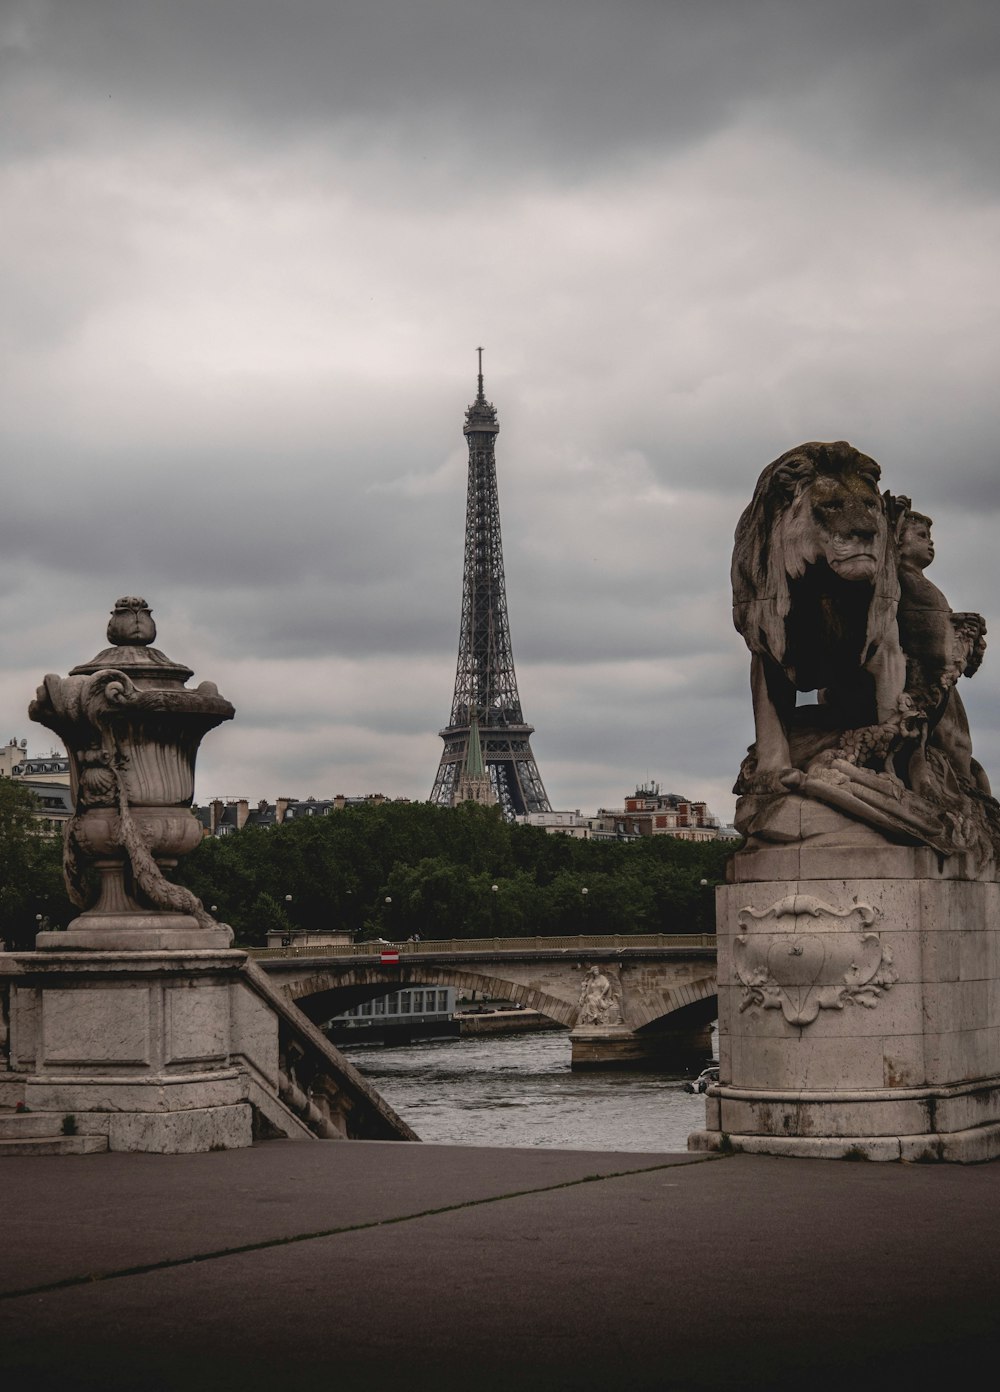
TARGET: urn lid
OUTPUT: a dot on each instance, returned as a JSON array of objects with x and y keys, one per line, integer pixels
[{"x": 131, "y": 630}]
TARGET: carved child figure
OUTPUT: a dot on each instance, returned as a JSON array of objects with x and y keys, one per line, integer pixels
[{"x": 940, "y": 646}]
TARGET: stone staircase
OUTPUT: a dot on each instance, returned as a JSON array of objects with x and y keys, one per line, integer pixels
[
  {"x": 42, "y": 1133},
  {"x": 272, "y": 1074}
]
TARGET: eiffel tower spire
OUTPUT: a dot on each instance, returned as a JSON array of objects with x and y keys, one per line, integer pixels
[{"x": 486, "y": 700}]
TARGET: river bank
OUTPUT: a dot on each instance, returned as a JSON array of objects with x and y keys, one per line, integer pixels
[
  {"x": 398, "y": 1030},
  {"x": 474, "y": 1022}
]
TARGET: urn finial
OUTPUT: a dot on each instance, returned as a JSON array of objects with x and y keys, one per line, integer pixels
[{"x": 131, "y": 623}]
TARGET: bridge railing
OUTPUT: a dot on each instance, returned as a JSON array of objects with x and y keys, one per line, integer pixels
[{"x": 594, "y": 942}]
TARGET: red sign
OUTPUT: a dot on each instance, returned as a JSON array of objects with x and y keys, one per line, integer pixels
[{"x": 389, "y": 958}]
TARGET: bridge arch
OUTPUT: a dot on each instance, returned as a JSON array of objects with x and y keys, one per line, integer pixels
[
  {"x": 323, "y": 993},
  {"x": 688, "y": 1005}
]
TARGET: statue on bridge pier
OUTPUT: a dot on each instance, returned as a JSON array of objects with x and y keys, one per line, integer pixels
[
  {"x": 830, "y": 597},
  {"x": 600, "y": 999},
  {"x": 857, "y": 934}
]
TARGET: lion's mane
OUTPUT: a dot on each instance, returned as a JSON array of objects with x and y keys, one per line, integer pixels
[{"x": 776, "y": 540}]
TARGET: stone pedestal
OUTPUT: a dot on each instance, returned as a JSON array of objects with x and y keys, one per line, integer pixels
[
  {"x": 139, "y": 1046},
  {"x": 859, "y": 1016}
]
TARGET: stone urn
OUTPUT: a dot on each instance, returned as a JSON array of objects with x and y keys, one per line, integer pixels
[{"x": 132, "y": 731}]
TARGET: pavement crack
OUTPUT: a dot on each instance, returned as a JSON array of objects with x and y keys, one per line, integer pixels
[{"x": 193, "y": 1259}]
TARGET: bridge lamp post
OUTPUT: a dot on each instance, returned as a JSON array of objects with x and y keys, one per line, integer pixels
[
  {"x": 583, "y": 901},
  {"x": 286, "y": 941}
]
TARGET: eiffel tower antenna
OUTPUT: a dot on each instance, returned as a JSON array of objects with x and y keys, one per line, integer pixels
[{"x": 486, "y": 700}]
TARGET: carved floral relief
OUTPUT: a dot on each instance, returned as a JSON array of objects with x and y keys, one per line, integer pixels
[{"x": 816, "y": 966}]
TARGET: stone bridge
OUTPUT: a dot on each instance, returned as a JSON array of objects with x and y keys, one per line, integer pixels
[{"x": 625, "y": 1000}]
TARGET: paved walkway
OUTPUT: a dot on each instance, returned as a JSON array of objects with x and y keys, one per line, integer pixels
[{"x": 374, "y": 1265}]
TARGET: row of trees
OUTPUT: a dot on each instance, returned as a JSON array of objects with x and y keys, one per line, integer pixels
[
  {"x": 396, "y": 869},
  {"x": 31, "y": 881}
]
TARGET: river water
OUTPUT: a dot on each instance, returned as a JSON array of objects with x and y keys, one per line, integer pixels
[{"x": 519, "y": 1090}]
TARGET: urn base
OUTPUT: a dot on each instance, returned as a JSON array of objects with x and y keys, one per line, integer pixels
[{"x": 135, "y": 932}]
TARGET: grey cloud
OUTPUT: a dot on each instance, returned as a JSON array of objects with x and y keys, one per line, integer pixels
[
  {"x": 254, "y": 245},
  {"x": 532, "y": 81}
]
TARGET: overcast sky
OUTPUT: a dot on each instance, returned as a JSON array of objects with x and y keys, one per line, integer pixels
[{"x": 249, "y": 250}]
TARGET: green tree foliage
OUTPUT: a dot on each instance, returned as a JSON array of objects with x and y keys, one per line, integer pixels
[
  {"x": 266, "y": 915},
  {"x": 395, "y": 869},
  {"x": 31, "y": 882}
]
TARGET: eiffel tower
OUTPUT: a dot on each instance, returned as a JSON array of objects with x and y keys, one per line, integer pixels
[{"x": 487, "y": 733}]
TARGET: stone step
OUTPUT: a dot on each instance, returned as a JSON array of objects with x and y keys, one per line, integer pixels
[
  {"x": 14, "y": 1125},
  {"x": 53, "y": 1145}
]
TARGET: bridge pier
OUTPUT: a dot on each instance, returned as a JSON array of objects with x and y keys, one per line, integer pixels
[{"x": 617, "y": 1046}]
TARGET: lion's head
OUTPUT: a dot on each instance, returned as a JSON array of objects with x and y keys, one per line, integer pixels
[{"x": 818, "y": 504}]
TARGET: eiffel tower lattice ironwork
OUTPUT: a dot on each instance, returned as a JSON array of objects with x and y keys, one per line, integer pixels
[{"x": 486, "y": 700}]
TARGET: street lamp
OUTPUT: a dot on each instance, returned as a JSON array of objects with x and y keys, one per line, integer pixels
[{"x": 704, "y": 909}]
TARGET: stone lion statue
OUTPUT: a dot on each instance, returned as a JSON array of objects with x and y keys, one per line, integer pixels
[
  {"x": 815, "y": 591},
  {"x": 830, "y": 597}
]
